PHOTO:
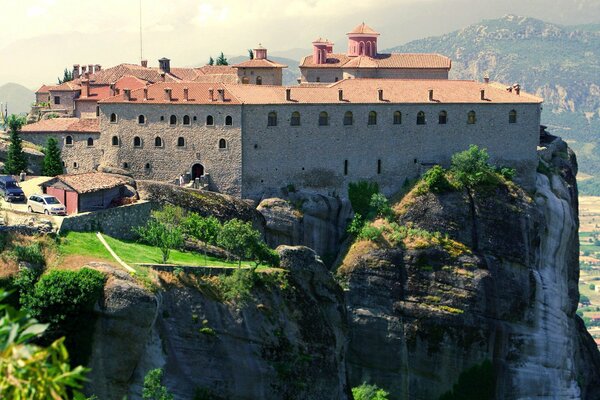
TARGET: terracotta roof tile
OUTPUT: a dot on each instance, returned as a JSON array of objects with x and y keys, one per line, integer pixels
[
  {"x": 218, "y": 69},
  {"x": 394, "y": 60},
  {"x": 65, "y": 87},
  {"x": 89, "y": 182},
  {"x": 43, "y": 89},
  {"x": 74, "y": 125},
  {"x": 363, "y": 29},
  {"x": 264, "y": 63}
]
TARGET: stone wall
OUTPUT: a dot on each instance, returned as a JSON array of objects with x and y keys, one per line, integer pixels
[
  {"x": 167, "y": 162},
  {"x": 77, "y": 157},
  {"x": 67, "y": 101},
  {"x": 116, "y": 222},
  {"x": 313, "y": 156},
  {"x": 270, "y": 76},
  {"x": 85, "y": 109}
]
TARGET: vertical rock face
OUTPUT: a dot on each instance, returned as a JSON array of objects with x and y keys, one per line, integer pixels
[{"x": 420, "y": 316}]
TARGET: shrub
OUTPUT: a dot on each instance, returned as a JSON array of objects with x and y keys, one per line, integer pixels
[
  {"x": 434, "y": 180},
  {"x": 62, "y": 294},
  {"x": 153, "y": 387},
  {"x": 240, "y": 239},
  {"x": 356, "y": 225},
  {"x": 31, "y": 253},
  {"x": 238, "y": 286},
  {"x": 369, "y": 392},
  {"x": 470, "y": 168},
  {"x": 370, "y": 232},
  {"x": 205, "y": 229},
  {"x": 208, "y": 331},
  {"x": 592, "y": 286},
  {"x": 507, "y": 173},
  {"x": 360, "y": 194},
  {"x": 262, "y": 254},
  {"x": 379, "y": 206}
]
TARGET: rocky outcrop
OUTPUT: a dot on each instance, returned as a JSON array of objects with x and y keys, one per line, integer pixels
[
  {"x": 308, "y": 219},
  {"x": 421, "y": 315},
  {"x": 289, "y": 342}
]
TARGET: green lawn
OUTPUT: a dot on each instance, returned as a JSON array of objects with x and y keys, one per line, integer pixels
[{"x": 86, "y": 243}]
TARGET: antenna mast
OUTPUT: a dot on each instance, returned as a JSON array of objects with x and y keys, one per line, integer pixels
[{"x": 141, "y": 42}]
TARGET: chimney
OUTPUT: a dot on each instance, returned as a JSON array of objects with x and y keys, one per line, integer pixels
[
  {"x": 83, "y": 69},
  {"x": 341, "y": 94},
  {"x": 76, "y": 71},
  {"x": 486, "y": 79},
  {"x": 163, "y": 77},
  {"x": 165, "y": 65},
  {"x": 145, "y": 63},
  {"x": 186, "y": 92},
  {"x": 167, "y": 94},
  {"x": 288, "y": 94},
  {"x": 211, "y": 94},
  {"x": 221, "y": 94},
  {"x": 127, "y": 94},
  {"x": 380, "y": 94},
  {"x": 482, "y": 94},
  {"x": 97, "y": 68},
  {"x": 145, "y": 93},
  {"x": 91, "y": 69},
  {"x": 112, "y": 89},
  {"x": 517, "y": 88},
  {"x": 85, "y": 88},
  {"x": 430, "y": 94}
]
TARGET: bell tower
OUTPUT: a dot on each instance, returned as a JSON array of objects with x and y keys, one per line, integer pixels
[{"x": 362, "y": 41}]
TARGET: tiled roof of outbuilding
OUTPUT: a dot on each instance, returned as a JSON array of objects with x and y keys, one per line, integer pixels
[
  {"x": 394, "y": 60},
  {"x": 255, "y": 63},
  {"x": 67, "y": 125},
  {"x": 89, "y": 182}
]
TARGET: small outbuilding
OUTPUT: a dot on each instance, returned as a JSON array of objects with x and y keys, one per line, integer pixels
[{"x": 87, "y": 192}]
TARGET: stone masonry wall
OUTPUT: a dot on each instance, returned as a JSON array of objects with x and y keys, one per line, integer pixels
[
  {"x": 167, "y": 162},
  {"x": 313, "y": 156},
  {"x": 270, "y": 76},
  {"x": 85, "y": 109},
  {"x": 67, "y": 101},
  {"x": 116, "y": 222}
]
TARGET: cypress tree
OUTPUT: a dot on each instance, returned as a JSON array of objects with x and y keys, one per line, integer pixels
[
  {"x": 211, "y": 61},
  {"x": 16, "y": 160},
  {"x": 221, "y": 60},
  {"x": 52, "y": 165},
  {"x": 251, "y": 54}
]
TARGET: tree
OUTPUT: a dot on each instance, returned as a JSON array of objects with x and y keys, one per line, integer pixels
[
  {"x": 470, "y": 168},
  {"x": 360, "y": 194},
  {"x": 67, "y": 77},
  {"x": 239, "y": 238},
  {"x": 52, "y": 165},
  {"x": 211, "y": 61},
  {"x": 205, "y": 229},
  {"x": 29, "y": 371},
  {"x": 369, "y": 392},
  {"x": 166, "y": 237},
  {"x": 153, "y": 387},
  {"x": 250, "y": 54},
  {"x": 16, "y": 160},
  {"x": 221, "y": 60}
]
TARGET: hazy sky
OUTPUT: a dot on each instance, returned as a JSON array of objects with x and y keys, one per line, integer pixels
[{"x": 42, "y": 37}]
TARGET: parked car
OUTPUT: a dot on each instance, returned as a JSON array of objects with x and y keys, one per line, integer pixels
[
  {"x": 44, "y": 203},
  {"x": 10, "y": 190}
]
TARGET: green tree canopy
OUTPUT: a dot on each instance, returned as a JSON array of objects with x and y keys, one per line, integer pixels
[
  {"x": 239, "y": 238},
  {"x": 221, "y": 60},
  {"x": 52, "y": 165},
  {"x": 369, "y": 392},
  {"x": 153, "y": 387},
  {"x": 471, "y": 168},
  {"x": 360, "y": 194},
  {"x": 211, "y": 61},
  {"x": 250, "y": 54},
  {"x": 16, "y": 160},
  {"x": 67, "y": 77}
]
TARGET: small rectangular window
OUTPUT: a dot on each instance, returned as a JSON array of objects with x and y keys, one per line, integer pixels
[
  {"x": 378, "y": 166},
  {"x": 97, "y": 111},
  {"x": 56, "y": 99},
  {"x": 345, "y": 167}
]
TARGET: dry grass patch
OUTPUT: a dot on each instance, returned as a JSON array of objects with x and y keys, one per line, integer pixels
[{"x": 357, "y": 250}]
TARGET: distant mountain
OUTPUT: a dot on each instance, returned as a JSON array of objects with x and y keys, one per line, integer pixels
[
  {"x": 559, "y": 63},
  {"x": 18, "y": 97}
]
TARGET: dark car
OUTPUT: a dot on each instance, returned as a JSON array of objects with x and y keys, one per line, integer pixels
[{"x": 10, "y": 190}]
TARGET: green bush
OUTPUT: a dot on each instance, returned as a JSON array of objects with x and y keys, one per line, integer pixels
[
  {"x": 507, "y": 173},
  {"x": 238, "y": 286},
  {"x": 60, "y": 294},
  {"x": 241, "y": 239},
  {"x": 205, "y": 229},
  {"x": 31, "y": 253},
  {"x": 153, "y": 387},
  {"x": 369, "y": 392},
  {"x": 370, "y": 232},
  {"x": 356, "y": 225},
  {"x": 434, "y": 180},
  {"x": 379, "y": 207},
  {"x": 360, "y": 194},
  {"x": 470, "y": 168}
]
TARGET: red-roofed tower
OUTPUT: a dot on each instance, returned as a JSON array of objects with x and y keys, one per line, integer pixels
[{"x": 362, "y": 41}]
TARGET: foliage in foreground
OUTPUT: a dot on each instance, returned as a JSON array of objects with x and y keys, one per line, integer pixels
[
  {"x": 369, "y": 392},
  {"x": 153, "y": 387},
  {"x": 28, "y": 371}
]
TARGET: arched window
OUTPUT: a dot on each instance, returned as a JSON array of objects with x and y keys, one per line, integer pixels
[
  {"x": 323, "y": 119},
  {"x": 141, "y": 119},
  {"x": 295, "y": 121},
  {"x": 372, "y": 118},
  {"x": 348, "y": 118},
  {"x": 245, "y": 80},
  {"x": 186, "y": 119},
  {"x": 228, "y": 120},
  {"x": 222, "y": 144},
  {"x": 442, "y": 117},
  {"x": 368, "y": 49},
  {"x": 397, "y": 117},
  {"x": 115, "y": 140},
  {"x": 137, "y": 142},
  {"x": 361, "y": 48},
  {"x": 259, "y": 80},
  {"x": 512, "y": 117},
  {"x": 421, "y": 118},
  {"x": 180, "y": 141},
  {"x": 471, "y": 118},
  {"x": 158, "y": 142},
  {"x": 113, "y": 118},
  {"x": 147, "y": 166},
  {"x": 75, "y": 165},
  {"x": 272, "y": 119},
  {"x": 210, "y": 121},
  {"x": 69, "y": 140},
  {"x": 90, "y": 142},
  {"x": 173, "y": 120}
]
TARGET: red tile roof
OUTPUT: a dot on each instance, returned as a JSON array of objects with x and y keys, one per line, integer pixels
[
  {"x": 355, "y": 91},
  {"x": 67, "y": 125},
  {"x": 65, "y": 87},
  {"x": 130, "y": 82},
  {"x": 394, "y": 60},
  {"x": 217, "y": 69},
  {"x": 89, "y": 182},
  {"x": 363, "y": 29},
  {"x": 264, "y": 63},
  {"x": 43, "y": 89}
]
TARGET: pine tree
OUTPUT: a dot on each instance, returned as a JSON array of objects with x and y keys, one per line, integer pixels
[
  {"x": 67, "y": 77},
  {"x": 251, "y": 54},
  {"x": 221, "y": 60},
  {"x": 211, "y": 61},
  {"x": 52, "y": 165},
  {"x": 16, "y": 160}
]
